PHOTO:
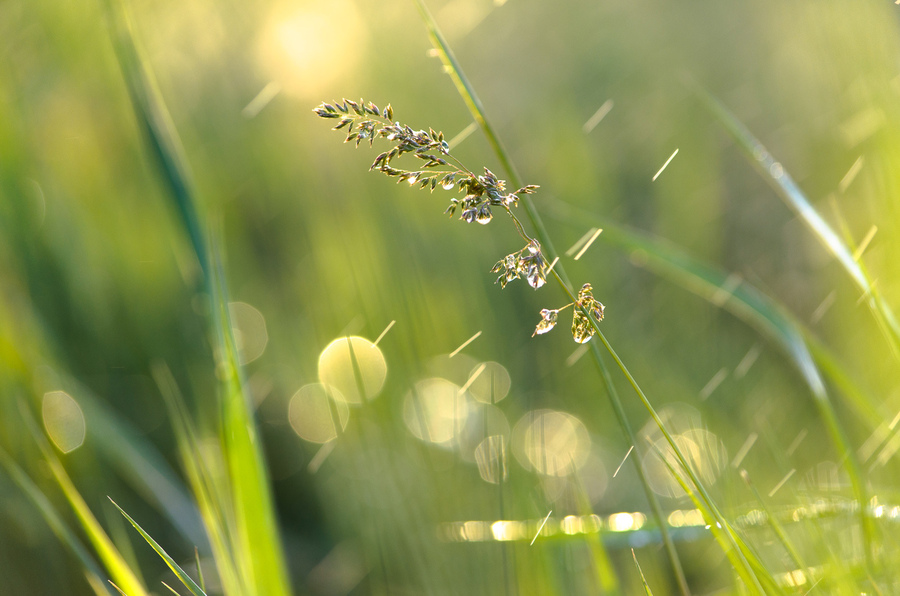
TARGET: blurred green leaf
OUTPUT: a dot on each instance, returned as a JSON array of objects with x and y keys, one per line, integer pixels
[
  {"x": 183, "y": 577},
  {"x": 53, "y": 519},
  {"x": 796, "y": 200}
]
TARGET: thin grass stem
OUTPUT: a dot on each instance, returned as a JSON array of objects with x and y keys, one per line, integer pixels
[{"x": 470, "y": 98}]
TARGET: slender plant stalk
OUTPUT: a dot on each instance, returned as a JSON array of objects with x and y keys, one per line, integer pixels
[
  {"x": 787, "y": 189},
  {"x": 883, "y": 314},
  {"x": 804, "y": 349},
  {"x": 784, "y": 185},
  {"x": 745, "y": 301},
  {"x": 107, "y": 552},
  {"x": 91, "y": 570},
  {"x": 477, "y": 111},
  {"x": 257, "y": 542},
  {"x": 777, "y": 528}
]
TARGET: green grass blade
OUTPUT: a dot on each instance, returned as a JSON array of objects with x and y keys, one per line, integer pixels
[
  {"x": 742, "y": 558},
  {"x": 212, "y": 497},
  {"x": 257, "y": 529},
  {"x": 53, "y": 519},
  {"x": 777, "y": 528},
  {"x": 754, "y": 307},
  {"x": 159, "y": 131},
  {"x": 258, "y": 549},
  {"x": 704, "y": 502},
  {"x": 647, "y": 589},
  {"x": 470, "y": 98},
  {"x": 140, "y": 463},
  {"x": 796, "y": 200},
  {"x": 115, "y": 565},
  {"x": 199, "y": 570},
  {"x": 183, "y": 577}
]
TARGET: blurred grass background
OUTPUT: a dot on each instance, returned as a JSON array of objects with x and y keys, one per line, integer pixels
[{"x": 98, "y": 281}]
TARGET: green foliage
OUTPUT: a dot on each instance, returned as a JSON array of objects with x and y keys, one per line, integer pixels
[{"x": 195, "y": 278}]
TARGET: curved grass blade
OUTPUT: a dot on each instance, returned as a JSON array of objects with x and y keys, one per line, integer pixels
[
  {"x": 183, "y": 577},
  {"x": 647, "y": 589},
  {"x": 159, "y": 131},
  {"x": 57, "y": 525},
  {"x": 777, "y": 528},
  {"x": 742, "y": 558},
  {"x": 470, "y": 98},
  {"x": 736, "y": 550},
  {"x": 115, "y": 565},
  {"x": 199, "y": 569},
  {"x": 758, "y": 310},
  {"x": 743, "y": 301},
  {"x": 210, "y": 494},
  {"x": 257, "y": 530},
  {"x": 258, "y": 549},
  {"x": 790, "y": 193},
  {"x": 139, "y": 462}
]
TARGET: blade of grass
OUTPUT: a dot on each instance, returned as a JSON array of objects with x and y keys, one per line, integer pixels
[
  {"x": 53, "y": 519},
  {"x": 212, "y": 498},
  {"x": 736, "y": 550},
  {"x": 796, "y": 200},
  {"x": 157, "y": 128},
  {"x": 136, "y": 459},
  {"x": 777, "y": 528},
  {"x": 254, "y": 512},
  {"x": 116, "y": 566},
  {"x": 199, "y": 570},
  {"x": 139, "y": 462},
  {"x": 470, "y": 98},
  {"x": 760, "y": 311},
  {"x": 742, "y": 558},
  {"x": 259, "y": 548},
  {"x": 647, "y": 589},
  {"x": 183, "y": 577},
  {"x": 744, "y": 301},
  {"x": 704, "y": 502}
]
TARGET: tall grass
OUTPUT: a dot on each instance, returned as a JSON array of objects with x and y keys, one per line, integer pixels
[{"x": 374, "y": 448}]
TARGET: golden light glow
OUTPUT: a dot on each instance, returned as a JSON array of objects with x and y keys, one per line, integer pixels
[
  {"x": 307, "y": 50},
  {"x": 622, "y": 522},
  {"x": 571, "y": 524},
  {"x": 63, "y": 420},
  {"x": 435, "y": 411},
  {"x": 482, "y": 421},
  {"x": 529, "y": 529},
  {"x": 551, "y": 442},
  {"x": 249, "y": 328},
  {"x": 491, "y": 384},
  {"x": 476, "y": 531},
  {"x": 343, "y": 359},
  {"x": 507, "y": 530},
  {"x": 314, "y": 410},
  {"x": 704, "y": 451},
  {"x": 686, "y": 517},
  {"x": 490, "y": 455}
]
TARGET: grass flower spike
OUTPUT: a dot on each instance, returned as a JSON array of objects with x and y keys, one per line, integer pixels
[{"x": 484, "y": 193}]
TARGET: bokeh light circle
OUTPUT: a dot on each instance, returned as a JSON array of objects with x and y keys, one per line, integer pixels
[
  {"x": 313, "y": 411},
  {"x": 482, "y": 421},
  {"x": 343, "y": 358},
  {"x": 490, "y": 457},
  {"x": 63, "y": 420},
  {"x": 550, "y": 442},
  {"x": 489, "y": 382},
  {"x": 435, "y": 411},
  {"x": 704, "y": 452},
  {"x": 249, "y": 328}
]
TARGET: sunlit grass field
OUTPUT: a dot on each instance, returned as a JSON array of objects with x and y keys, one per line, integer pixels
[{"x": 292, "y": 374}]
